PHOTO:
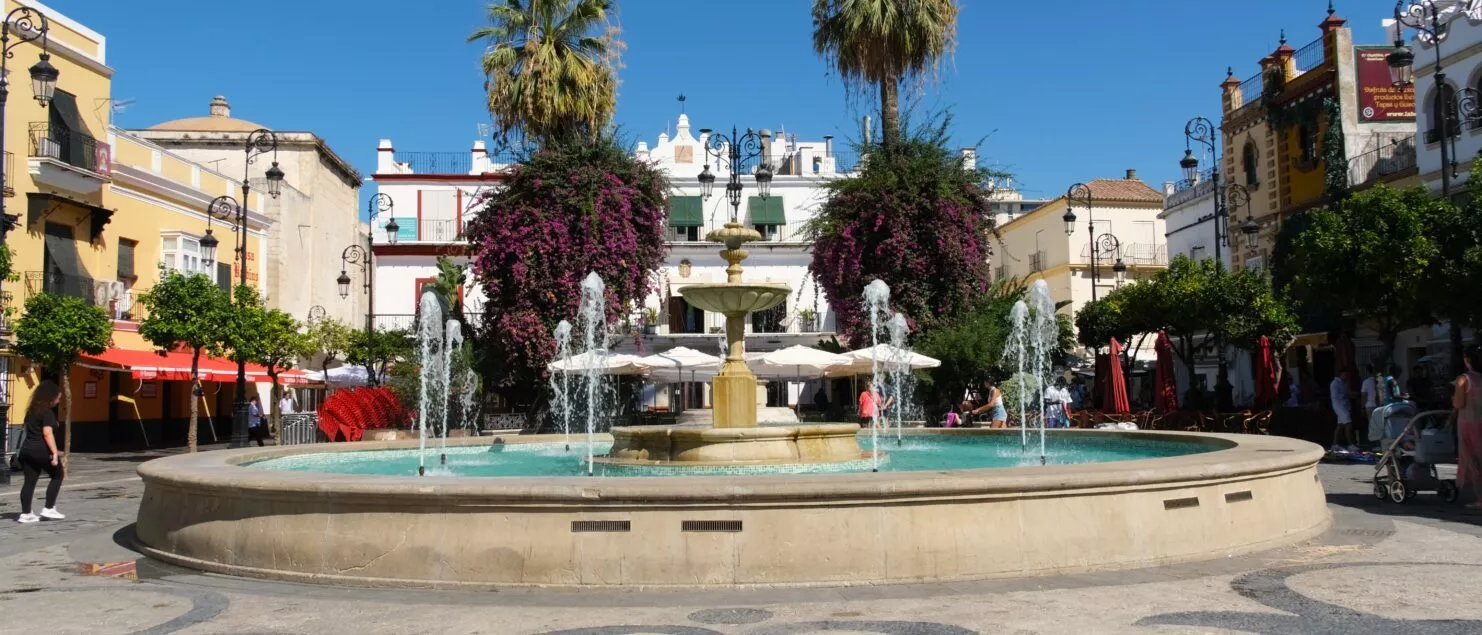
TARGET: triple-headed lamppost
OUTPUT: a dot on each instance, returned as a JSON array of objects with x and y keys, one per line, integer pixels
[
  {"x": 1103, "y": 244},
  {"x": 234, "y": 214},
  {"x": 734, "y": 152},
  {"x": 364, "y": 257},
  {"x": 29, "y": 25}
]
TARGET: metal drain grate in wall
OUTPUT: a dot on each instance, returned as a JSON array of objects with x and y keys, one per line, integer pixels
[
  {"x": 1236, "y": 497},
  {"x": 710, "y": 525},
  {"x": 589, "y": 526},
  {"x": 1181, "y": 503}
]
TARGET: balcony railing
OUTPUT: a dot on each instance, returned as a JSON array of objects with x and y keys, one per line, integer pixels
[
  {"x": 1250, "y": 90},
  {"x": 1394, "y": 154},
  {"x": 9, "y": 174},
  {"x": 408, "y": 321},
  {"x": 792, "y": 232},
  {"x": 1143, "y": 254},
  {"x": 1037, "y": 261},
  {"x": 1309, "y": 57},
  {"x": 116, "y": 298},
  {"x": 450, "y": 162},
  {"x": 439, "y": 231},
  {"x": 74, "y": 148}
]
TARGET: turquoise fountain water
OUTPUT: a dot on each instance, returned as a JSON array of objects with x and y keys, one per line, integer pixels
[{"x": 916, "y": 453}]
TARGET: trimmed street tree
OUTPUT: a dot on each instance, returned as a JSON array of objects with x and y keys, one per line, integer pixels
[
  {"x": 880, "y": 44},
  {"x": 190, "y": 311},
  {"x": 52, "y": 333},
  {"x": 916, "y": 217},
  {"x": 330, "y": 338},
  {"x": 269, "y": 337},
  {"x": 378, "y": 351},
  {"x": 1365, "y": 258}
]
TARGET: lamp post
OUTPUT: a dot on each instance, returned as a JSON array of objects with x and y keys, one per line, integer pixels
[
  {"x": 364, "y": 257},
  {"x": 1202, "y": 131},
  {"x": 234, "y": 213},
  {"x": 734, "y": 152},
  {"x": 29, "y": 25},
  {"x": 1107, "y": 243}
]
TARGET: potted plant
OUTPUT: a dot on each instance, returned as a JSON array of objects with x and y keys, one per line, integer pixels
[
  {"x": 650, "y": 320},
  {"x": 807, "y": 321}
]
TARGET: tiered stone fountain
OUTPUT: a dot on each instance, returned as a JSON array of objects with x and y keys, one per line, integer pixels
[{"x": 734, "y": 437}]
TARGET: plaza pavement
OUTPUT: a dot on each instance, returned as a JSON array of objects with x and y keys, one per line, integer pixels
[{"x": 1382, "y": 568}]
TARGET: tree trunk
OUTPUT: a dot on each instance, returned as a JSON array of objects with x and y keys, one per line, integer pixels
[
  {"x": 67, "y": 418},
  {"x": 195, "y": 406},
  {"x": 890, "y": 112},
  {"x": 276, "y": 419}
]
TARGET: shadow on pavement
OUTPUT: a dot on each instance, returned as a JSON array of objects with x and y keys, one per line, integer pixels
[{"x": 1423, "y": 506}]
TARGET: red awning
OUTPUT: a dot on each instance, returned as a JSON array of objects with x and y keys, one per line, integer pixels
[{"x": 175, "y": 366}]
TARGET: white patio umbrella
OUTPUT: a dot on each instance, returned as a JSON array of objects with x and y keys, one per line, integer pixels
[
  {"x": 680, "y": 364},
  {"x": 608, "y": 364},
  {"x": 798, "y": 362},
  {"x": 861, "y": 362}
]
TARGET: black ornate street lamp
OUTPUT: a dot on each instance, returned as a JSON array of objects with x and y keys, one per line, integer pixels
[
  {"x": 735, "y": 152},
  {"x": 1202, "y": 131},
  {"x": 234, "y": 213},
  {"x": 29, "y": 25},
  {"x": 364, "y": 257},
  {"x": 1239, "y": 198},
  {"x": 1424, "y": 16},
  {"x": 1105, "y": 244}
]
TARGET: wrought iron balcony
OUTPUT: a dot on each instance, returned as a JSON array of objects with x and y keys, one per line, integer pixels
[{"x": 71, "y": 147}]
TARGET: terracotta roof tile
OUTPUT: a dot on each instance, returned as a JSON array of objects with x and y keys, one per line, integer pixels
[{"x": 1124, "y": 190}]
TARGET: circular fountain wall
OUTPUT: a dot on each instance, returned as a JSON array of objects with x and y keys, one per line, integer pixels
[{"x": 250, "y": 512}]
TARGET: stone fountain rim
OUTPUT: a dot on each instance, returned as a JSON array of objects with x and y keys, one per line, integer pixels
[{"x": 1239, "y": 456}]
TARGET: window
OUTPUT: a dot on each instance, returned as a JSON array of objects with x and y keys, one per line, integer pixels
[
  {"x": 686, "y": 216},
  {"x": 769, "y": 231},
  {"x": 1249, "y": 163},
  {"x": 126, "y": 258},
  {"x": 182, "y": 253},
  {"x": 1307, "y": 139}
]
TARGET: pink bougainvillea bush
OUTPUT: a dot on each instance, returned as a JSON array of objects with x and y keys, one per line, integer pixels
[
  {"x": 560, "y": 215},
  {"x": 916, "y": 217}
]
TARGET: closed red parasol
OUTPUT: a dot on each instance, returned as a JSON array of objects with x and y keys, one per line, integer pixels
[
  {"x": 1265, "y": 374},
  {"x": 1116, "y": 385},
  {"x": 1165, "y": 396}
]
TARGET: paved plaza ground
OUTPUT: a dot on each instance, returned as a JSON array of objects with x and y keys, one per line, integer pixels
[{"x": 1382, "y": 568}]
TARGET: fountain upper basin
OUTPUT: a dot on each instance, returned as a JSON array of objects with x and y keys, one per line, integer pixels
[{"x": 741, "y": 297}]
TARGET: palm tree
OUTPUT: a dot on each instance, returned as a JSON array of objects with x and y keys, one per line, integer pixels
[
  {"x": 550, "y": 68},
  {"x": 880, "y": 43}
]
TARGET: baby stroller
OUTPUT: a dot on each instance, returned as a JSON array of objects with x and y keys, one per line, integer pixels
[{"x": 1413, "y": 445}]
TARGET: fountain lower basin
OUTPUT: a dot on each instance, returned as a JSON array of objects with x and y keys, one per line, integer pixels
[
  {"x": 707, "y": 446},
  {"x": 213, "y": 511}
]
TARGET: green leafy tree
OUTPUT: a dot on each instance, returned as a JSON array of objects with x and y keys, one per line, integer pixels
[
  {"x": 378, "y": 351},
  {"x": 550, "y": 68},
  {"x": 331, "y": 339},
  {"x": 190, "y": 311},
  {"x": 970, "y": 346},
  {"x": 1366, "y": 256},
  {"x": 52, "y": 333},
  {"x": 879, "y": 44},
  {"x": 1456, "y": 231},
  {"x": 284, "y": 344}
]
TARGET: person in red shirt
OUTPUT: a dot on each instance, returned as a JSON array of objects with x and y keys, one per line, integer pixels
[{"x": 870, "y": 405}]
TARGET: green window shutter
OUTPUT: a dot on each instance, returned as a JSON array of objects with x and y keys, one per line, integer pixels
[
  {"x": 765, "y": 211},
  {"x": 686, "y": 211}
]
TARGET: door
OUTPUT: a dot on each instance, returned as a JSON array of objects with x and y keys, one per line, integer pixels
[{"x": 61, "y": 265}]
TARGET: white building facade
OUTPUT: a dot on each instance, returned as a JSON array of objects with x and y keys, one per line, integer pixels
[
  {"x": 434, "y": 196},
  {"x": 1188, "y": 217},
  {"x": 1461, "y": 61}
]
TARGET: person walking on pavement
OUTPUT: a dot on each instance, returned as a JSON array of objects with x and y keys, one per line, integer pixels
[
  {"x": 257, "y": 430},
  {"x": 38, "y": 452}
]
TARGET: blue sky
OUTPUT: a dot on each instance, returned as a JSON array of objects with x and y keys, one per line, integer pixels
[{"x": 1084, "y": 90}]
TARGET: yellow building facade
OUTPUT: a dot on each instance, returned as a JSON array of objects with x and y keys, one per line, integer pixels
[
  {"x": 1274, "y": 125},
  {"x": 101, "y": 214}
]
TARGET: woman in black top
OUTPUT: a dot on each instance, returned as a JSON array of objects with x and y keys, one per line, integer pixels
[{"x": 38, "y": 453}]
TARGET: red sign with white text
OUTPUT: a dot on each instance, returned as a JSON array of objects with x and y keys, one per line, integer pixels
[{"x": 1379, "y": 101}]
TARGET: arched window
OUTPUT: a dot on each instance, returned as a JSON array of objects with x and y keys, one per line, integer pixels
[
  {"x": 1443, "y": 109},
  {"x": 1249, "y": 163}
]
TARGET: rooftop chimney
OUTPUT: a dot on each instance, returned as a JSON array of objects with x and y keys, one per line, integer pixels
[
  {"x": 219, "y": 107},
  {"x": 1131, "y": 175}
]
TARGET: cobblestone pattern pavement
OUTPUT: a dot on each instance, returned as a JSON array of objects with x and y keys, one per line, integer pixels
[{"x": 1383, "y": 568}]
